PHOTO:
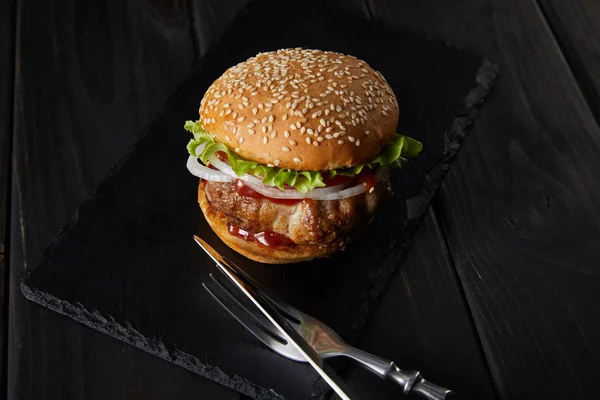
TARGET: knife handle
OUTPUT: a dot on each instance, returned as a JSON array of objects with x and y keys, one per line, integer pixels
[{"x": 410, "y": 381}]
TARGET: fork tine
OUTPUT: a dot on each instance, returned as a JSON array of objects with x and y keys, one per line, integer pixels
[
  {"x": 284, "y": 308},
  {"x": 257, "y": 318},
  {"x": 250, "y": 321}
]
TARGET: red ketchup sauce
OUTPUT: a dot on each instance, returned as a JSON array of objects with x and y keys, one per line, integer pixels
[
  {"x": 268, "y": 239},
  {"x": 367, "y": 178}
]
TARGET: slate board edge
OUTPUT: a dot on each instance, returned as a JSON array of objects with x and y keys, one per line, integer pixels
[
  {"x": 129, "y": 335},
  {"x": 417, "y": 205}
]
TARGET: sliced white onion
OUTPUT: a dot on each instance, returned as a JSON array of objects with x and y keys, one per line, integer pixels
[
  {"x": 225, "y": 168},
  {"x": 342, "y": 194},
  {"x": 336, "y": 192},
  {"x": 276, "y": 193},
  {"x": 271, "y": 191},
  {"x": 200, "y": 149},
  {"x": 204, "y": 172}
]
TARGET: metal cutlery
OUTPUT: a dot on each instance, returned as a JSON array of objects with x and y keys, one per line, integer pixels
[{"x": 318, "y": 336}]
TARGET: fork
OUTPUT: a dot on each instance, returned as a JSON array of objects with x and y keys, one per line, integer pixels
[{"x": 324, "y": 340}]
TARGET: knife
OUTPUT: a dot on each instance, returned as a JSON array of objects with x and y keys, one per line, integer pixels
[{"x": 276, "y": 319}]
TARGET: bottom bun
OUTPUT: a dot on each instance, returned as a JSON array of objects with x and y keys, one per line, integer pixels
[{"x": 263, "y": 254}]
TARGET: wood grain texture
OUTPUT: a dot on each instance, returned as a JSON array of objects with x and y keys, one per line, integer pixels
[
  {"x": 575, "y": 25},
  {"x": 90, "y": 76},
  {"x": 210, "y": 19},
  {"x": 423, "y": 323},
  {"x": 7, "y": 38},
  {"x": 72, "y": 361},
  {"x": 521, "y": 207}
]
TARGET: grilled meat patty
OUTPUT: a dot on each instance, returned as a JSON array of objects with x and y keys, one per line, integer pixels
[{"x": 308, "y": 222}]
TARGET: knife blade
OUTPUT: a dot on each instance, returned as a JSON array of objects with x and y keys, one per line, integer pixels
[{"x": 275, "y": 318}]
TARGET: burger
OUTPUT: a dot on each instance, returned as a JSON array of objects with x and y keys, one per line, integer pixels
[{"x": 293, "y": 149}]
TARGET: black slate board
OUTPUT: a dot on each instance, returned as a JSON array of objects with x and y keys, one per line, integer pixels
[{"x": 127, "y": 265}]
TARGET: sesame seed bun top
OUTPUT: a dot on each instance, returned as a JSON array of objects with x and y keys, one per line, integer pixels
[{"x": 302, "y": 109}]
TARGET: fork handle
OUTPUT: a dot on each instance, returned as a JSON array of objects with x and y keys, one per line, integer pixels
[{"x": 410, "y": 381}]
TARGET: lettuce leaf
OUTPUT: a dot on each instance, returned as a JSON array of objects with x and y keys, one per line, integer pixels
[{"x": 393, "y": 155}]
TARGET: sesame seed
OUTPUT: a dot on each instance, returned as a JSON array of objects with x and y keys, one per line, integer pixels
[
  {"x": 228, "y": 138},
  {"x": 297, "y": 160},
  {"x": 320, "y": 138},
  {"x": 271, "y": 118},
  {"x": 286, "y": 134},
  {"x": 328, "y": 136},
  {"x": 284, "y": 117},
  {"x": 241, "y": 140},
  {"x": 250, "y": 125},
  {"x": 367, "y": 133},
  {"x": 385, "y": 114},
  {"x": 315, "y": 143},
  {"x": 302, "y": 130},
  {"x": 240, "y": 119},
  {"x": 277, "y": 162},
  {"x": 358, "y": 143},
  {"x": 255, "y": 111},
  {"x": 285, "y": 149},
  {"x": 251, "y": 131},
  {"x": 308, "y": 140},
  {"x": 265, "y": 140},
  {"x": 310, "y": 131},
  {"x": 352, "y": 139},
  {"x": 338, "y": 108},
  {"x": 264, "y": 129},
  {"x": 341, "y": 141},
  {"x": 237, "y": 149}
]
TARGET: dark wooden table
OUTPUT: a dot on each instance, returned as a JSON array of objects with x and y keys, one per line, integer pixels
[{"x": 499, "y": 290}]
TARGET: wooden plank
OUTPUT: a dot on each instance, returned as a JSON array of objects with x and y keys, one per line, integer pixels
[
  {"x": 7, "y": 38},
  {"x": 103, "y": 68},
  {"x": 359, "y": 8},
  {"x": 211, "y": 18},
  {"x": 521, "y": 205},
  {"x": 575, "y": 25},
  {"x": 430, "y": 319}
]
